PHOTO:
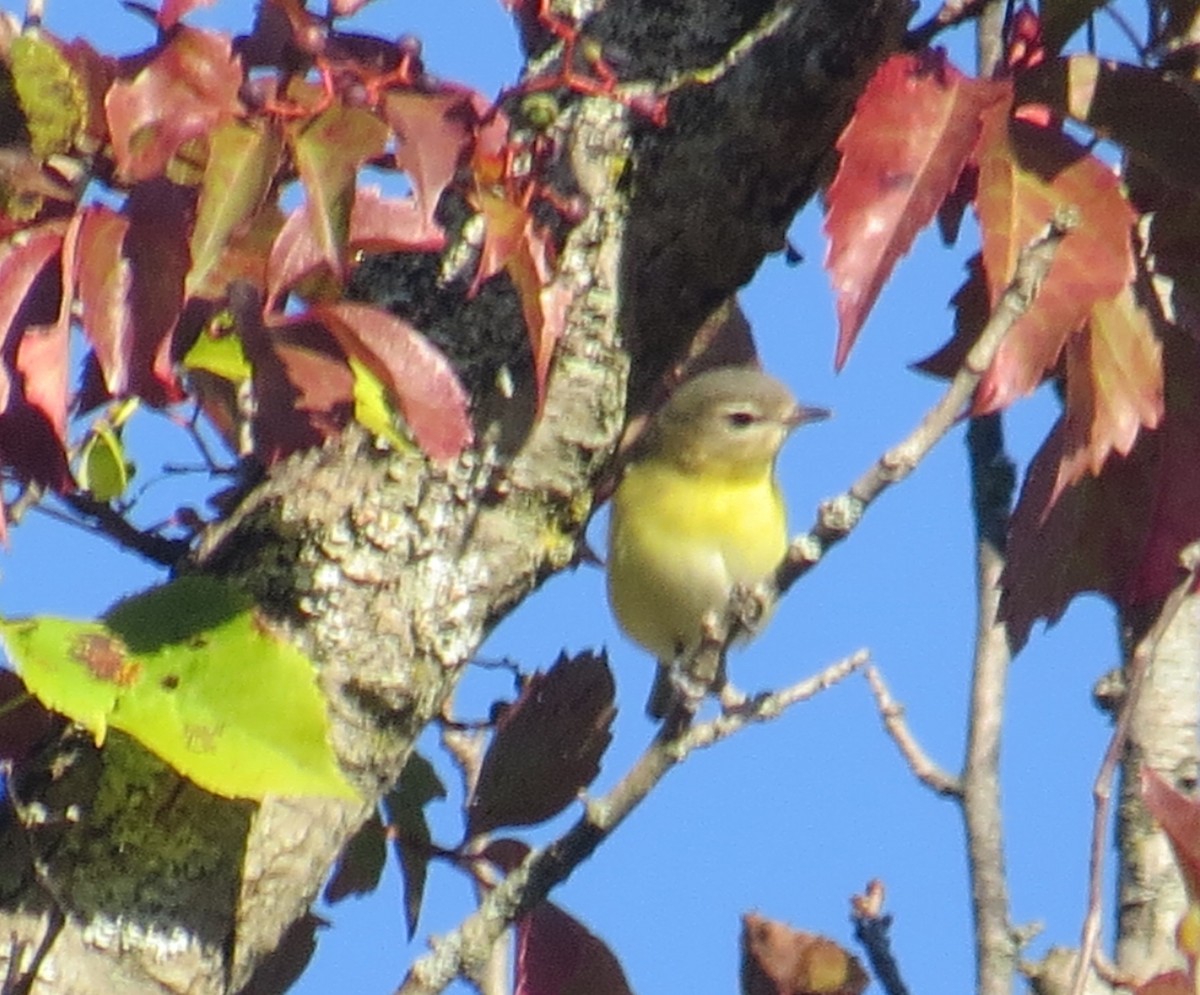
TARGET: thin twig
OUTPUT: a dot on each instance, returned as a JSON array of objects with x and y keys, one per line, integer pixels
[
  {"x": 993, "y": 480},
  {"x": 872, "y": 929},
  {"x": 924, "y": 768},
  {"x": 106, "y": 521},
  {"x": 543, "y": 869},
  {"x": 839, "y": 516},
  {"x": 1138, "y": 669}
]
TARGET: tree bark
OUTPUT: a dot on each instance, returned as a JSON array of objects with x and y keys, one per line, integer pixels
[{"x": 120, "y": 878}]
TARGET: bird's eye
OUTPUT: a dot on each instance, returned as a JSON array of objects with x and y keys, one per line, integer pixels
[{"x": 741, "y": 419}]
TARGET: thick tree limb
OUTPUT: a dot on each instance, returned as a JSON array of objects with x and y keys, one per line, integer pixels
[{"x": 389, "y": 572}]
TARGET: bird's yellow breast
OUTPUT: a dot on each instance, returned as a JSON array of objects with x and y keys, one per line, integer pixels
[{"x": 678, "y": 543}]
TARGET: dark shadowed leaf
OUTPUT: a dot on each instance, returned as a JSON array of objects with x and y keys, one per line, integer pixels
[
  {"x": 420, "y": 377},
  {"x": 779, "y": 960},
  {"x": 912, "y": 130},
  {"x": 360, "y": 864},
  {"x": 405, "y": 808},
  {"x": 556, "y": 955},
  {"x": 279, "y": 970},
  {"x": 1127, "y": 104},
  {"x": 30, "y": 288},
  {"x": 547, "y": 745},
  {"x": 24, "y": 721}
]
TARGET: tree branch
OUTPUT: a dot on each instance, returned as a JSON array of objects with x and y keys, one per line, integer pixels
[
  {"x": 1138, "y": 668},
  {"x": 922, "y": 765},
  {"x": 472, "y": 941},
  {"x": 839, "y": 516}
]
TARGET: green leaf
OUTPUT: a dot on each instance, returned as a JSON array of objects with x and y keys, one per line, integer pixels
[
  {"x": 373, "y": 408},
  {"x": 103, "y": 469},
  {"x": 191, "y": 671},
  {"x": 221, "y": 356},
  {"x": 50, "y": 93},
  {"x": 241, "y": 167}
]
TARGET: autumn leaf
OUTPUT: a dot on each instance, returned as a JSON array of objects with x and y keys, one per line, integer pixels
[
  {"x": 186, "y": 91},
  {"x": 1128, "y": 105},
  {"x": 779, "y": 960},
  {"x": 547, "y": 746},
  {"x": 1028, "y": 173},
  {"x": 240, "y": 168},
  {"x": 435, "y": 132},
  {"x": 377, "y": 224},
  {"x": 328, "y": 150},
  {"x": 1114, "y": 387},
  {"x": 427, "y": 390},
  {"x": 103, "y": 280},
  {"x": 1119, "y": 532},
  {"x": 408, "y": 827},
  {"x": 557, "y": 954},
  {"x": 902, "y": 153}
]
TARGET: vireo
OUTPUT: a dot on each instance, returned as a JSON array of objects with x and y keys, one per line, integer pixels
[{"x": 699, "y": 511}]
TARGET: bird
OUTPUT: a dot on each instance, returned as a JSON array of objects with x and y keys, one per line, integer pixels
[{"x": 698, "y": 511}]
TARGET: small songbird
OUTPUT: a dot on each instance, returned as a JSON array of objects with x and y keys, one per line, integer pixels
[{"x": 699, "y": 511}]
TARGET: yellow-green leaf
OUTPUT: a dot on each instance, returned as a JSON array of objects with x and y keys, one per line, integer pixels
[
  {"x": 103, "y": 469},
  {"x": 50, "y": 93},
  {"x": 192, "y": 672},
  {"x": 221, "y": 356},
  {"x": 373, "y": 408}
]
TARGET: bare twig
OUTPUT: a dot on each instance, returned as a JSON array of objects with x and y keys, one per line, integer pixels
[
  {"x": 1138, "y": 668},
  {"x": 471, "y": 942},
  {"x": 923, "y": 767},
  {"x": 839, "y": 516},
  {"x": 106, "y": 521},
  {"x": 993, "y": 479},
  {"x": 872, "y": 929}
]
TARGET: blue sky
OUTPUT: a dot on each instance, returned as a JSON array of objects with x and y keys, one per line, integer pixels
[{"x": 792, "y": 818}]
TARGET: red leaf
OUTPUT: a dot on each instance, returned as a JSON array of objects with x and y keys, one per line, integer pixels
[
  {"x": 188, "y": 89},
  {"x": 1118, "y": 533},
  {"x": 328, "y": 150},
  {"x": 902, "y": 153},
  {"x": 377, "y": 224},
  {"x": 1179, "y": 817},
  {"x": 303, "y": 386},
  {"x": 1114, "y": 387},
  {"x": 103, "y": 282},
  {"x": 1026, "y": 174},
  {"x": 409, "y": 830},
  {"x": 29, "y": 291},
  {"x": 156, "y": 247},
  {"x": 436, "y": 131},
  {"x": 547, "y": 746},
  {"x": 173, "y": 11},
  {"x": 431, "y": 398},
  {"x": 557, "y": 955}
]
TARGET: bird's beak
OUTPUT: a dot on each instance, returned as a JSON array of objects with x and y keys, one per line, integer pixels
[{"x": 802, "y": 414}]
